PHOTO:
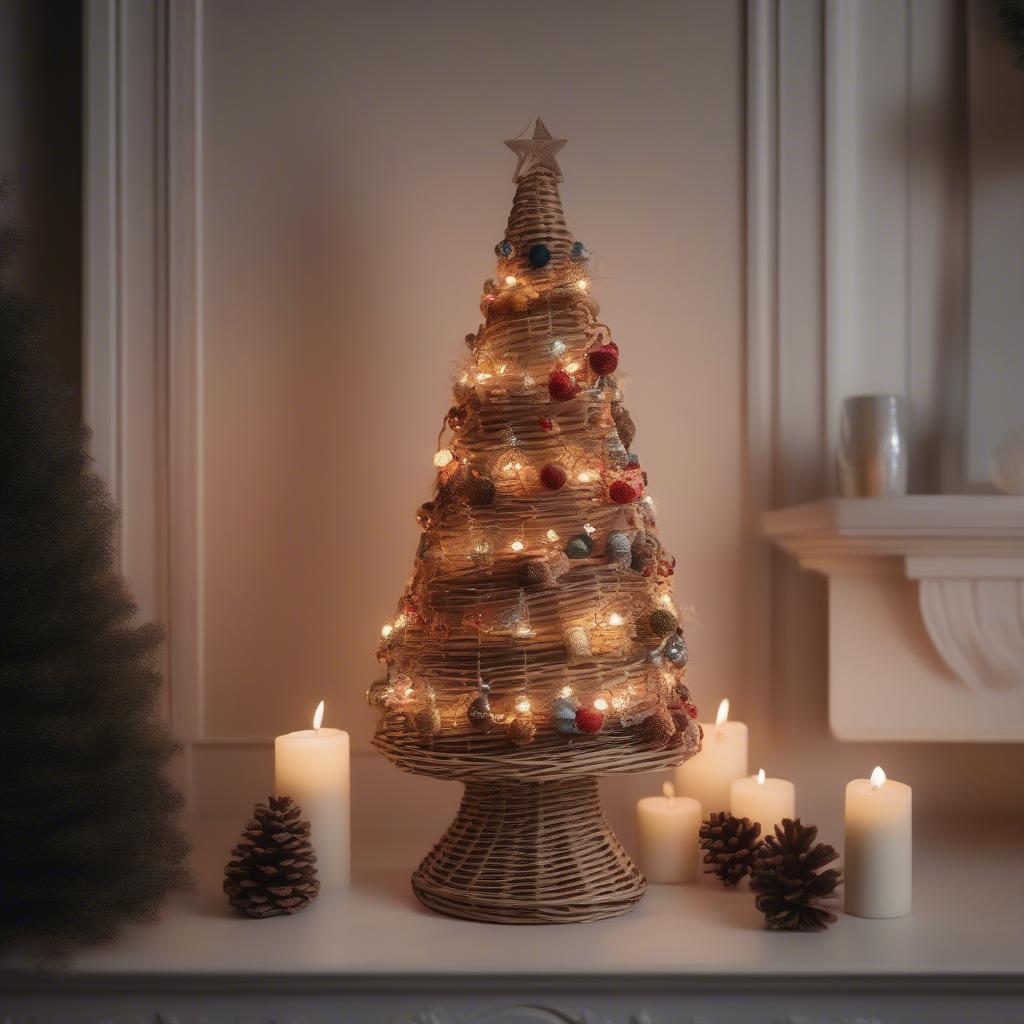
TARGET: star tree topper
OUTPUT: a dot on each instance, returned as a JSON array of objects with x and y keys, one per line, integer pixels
[{"x": 537, "y": 152}]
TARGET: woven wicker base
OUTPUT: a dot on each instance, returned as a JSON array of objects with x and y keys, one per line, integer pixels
[{"x": 529, "y": 853}]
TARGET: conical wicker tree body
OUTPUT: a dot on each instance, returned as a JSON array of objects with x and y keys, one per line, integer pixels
[{"x": 537, "y": 646}]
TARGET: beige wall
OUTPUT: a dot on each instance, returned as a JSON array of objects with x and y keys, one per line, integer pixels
[{"x": 355, "y": 184}]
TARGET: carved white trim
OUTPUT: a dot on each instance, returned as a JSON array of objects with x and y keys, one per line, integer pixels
[{"x": 973, "y": 610}]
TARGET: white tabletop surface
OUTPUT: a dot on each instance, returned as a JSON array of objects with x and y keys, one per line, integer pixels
[{"x": 968, "y": 920}]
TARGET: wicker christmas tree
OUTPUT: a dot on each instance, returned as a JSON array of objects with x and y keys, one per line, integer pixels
[{"x": 538, "y": 645}]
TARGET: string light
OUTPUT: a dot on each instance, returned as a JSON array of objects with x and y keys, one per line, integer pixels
[
  {"x": 502, "y": 369},
  {"x": 572, "y": 368},
  {"x": 442, "y": 458},
  {"x": 523, "y": 705},
  {"x": 582, "y": 285},
  {"x": 565, "y": 693},
  {"x": 600, "y": 704},
  {"x": 386, "y": 630},
  {"x": 551, "y": 535},
  {"x": 666, "y": 599},
  {"x": 401, "y": 621},
  {"x": 558, "y": 346},
  {"x": 510, "y": 280},
  {"x": 589, "y": 529},
  {"x": 585, "y": 477},
  {"x": 517, "y": 545},
  {"x": 483, "y": 376},
  {"x": 615, "y": 619}
]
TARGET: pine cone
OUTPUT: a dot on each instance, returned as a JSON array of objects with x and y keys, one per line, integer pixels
[
  {"x": 788, "y": 881},
  {"x": 730, "y": 845},
  {"x": 274, "y": 867}
]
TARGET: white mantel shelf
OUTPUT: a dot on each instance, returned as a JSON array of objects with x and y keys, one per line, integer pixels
[
  {"x": 926, "y": 612},
  {"x": 375, "y": 951}
]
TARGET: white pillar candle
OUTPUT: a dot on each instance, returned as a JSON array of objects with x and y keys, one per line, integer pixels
[
  {"x": 667, "y": 828},
  {"x": 723, "y": 758},
  {"x": 312, "y": 767},
  {"x": 877, "y": 860},
  {"x": 764, "y": 800}
]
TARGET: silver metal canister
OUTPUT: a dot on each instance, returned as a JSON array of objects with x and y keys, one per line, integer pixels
[{"x": 872, "y": 456}]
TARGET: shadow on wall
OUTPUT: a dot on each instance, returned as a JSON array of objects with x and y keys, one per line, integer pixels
[{"x": 41, "y": 157}]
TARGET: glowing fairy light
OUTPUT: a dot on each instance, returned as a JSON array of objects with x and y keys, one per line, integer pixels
[
  {"x": 615, "y": 619},
  {"x": 565, "y": 692},
  {"x": 582, "y": 284},
  {"x": 585, "y": 477},
  {"x": 589, "y": 529},
  {"x": 551, "y": 535},
  {"x": 510, "y": 280},
  {"x": 558, "y": 347},
  {"x": 600, "y": 704},
  {"x": 517, "y": 545},
  {"x": 386, "y": 630},
  {"x": 523, "y": 705},
  {"x": 572, "y": 368},
  {"x": 442, "y": 458}
]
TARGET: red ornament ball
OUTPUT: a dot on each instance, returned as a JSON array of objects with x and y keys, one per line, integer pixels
[
  {"x": 561, "y": 386},
  {"x": 589, "y": 720},
  {"x": 546, "y": 424},
  {"x": 553, "y": 476},
  {"x": 622, "y": 492},
  {"x": 691, "y": 709},
  {"x": 603, "y": 360}
]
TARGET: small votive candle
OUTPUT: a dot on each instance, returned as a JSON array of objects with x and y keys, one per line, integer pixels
[
  {"x": 764, "y": 800},
  {"x": 879, "y": 846},
  {"x": 667, "y": 827}
]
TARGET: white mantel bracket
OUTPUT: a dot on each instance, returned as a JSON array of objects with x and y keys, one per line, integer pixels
[{"x": 926, "y": 612}]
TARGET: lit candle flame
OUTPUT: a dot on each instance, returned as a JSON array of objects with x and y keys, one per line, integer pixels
[
  {"x": 722, "y": 717},
  {"x": 668, "y": 790},
  {"x": 877, "y": 778},
  {"x": 760, "y": 776},
  {"x": 318, "y": 716}
]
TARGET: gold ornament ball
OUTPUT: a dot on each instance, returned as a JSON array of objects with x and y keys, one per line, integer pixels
[
  {"x": 659, "y": 728},
  {"x": 377, "y": 694},
  {"x": 522, "y": 732},
  {"x": 428, "y": 721}
]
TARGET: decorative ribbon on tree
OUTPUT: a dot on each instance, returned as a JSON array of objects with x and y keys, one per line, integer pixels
[{"x": 539, "y": 632}]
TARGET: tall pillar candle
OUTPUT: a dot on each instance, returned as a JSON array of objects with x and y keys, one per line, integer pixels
[
  {"x": 667, "y": 831},
  {"x": 763, "y": 800},
  {"x": 723, "y": 757},
  {"x": 312, "y": 767},
  {"x": 879, "y": 844}
]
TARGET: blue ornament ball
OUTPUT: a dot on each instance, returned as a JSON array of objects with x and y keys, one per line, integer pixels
[
  {"x": 540, "y": 255},
  {"x": 618, "y": 548},
  {"x": 675, "y": 650},
  {"x": 580, "y": 251},
  {"x": 563, "y": 714},
  {"x": 505, "y": 249}
]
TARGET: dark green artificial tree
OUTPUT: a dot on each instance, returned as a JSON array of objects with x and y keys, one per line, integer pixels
[{"x": 89, "y": 832}]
